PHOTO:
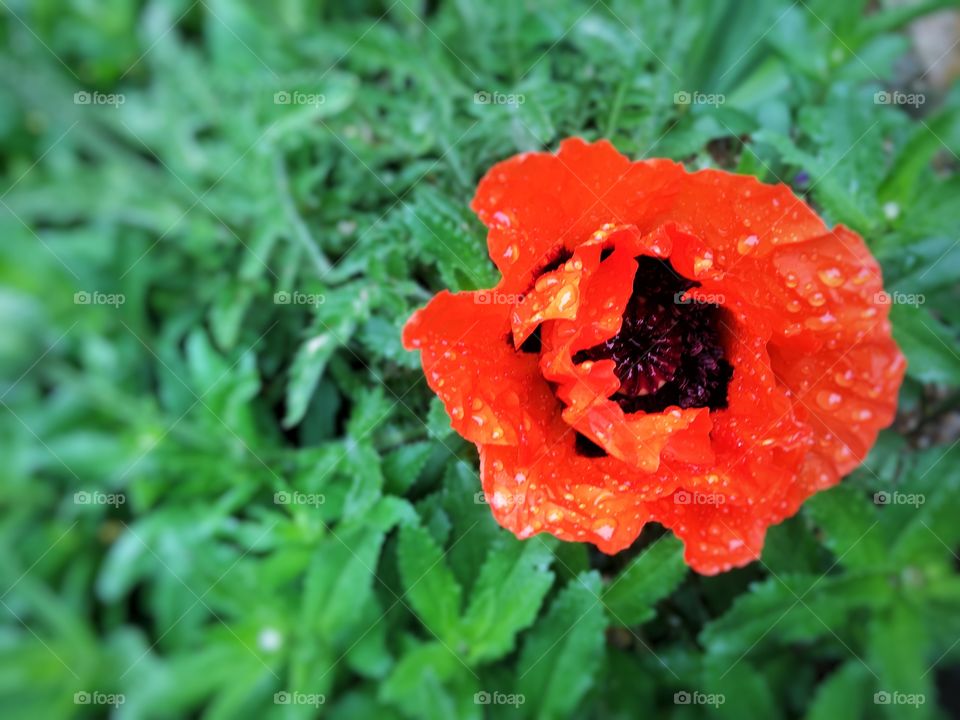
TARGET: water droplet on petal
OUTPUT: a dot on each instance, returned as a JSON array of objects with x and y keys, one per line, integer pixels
[
  {"x": 829, "y": 400},
  {"x": 844, "y": 379},
  {"x": 747, "y": 244},
  {"x": 605, "y": 528},
  {"x": 702, "y": 263},
  {"x": 831, "y": 277},
  {"x": 567, "y": 297}
]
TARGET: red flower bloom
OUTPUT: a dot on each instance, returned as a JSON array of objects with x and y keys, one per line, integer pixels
[{"x": 696, "y": 349}]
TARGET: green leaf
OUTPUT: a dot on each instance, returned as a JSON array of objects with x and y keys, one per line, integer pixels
[
  {"x": 897, "y": 653},
  {"x": 563, "y": 652},
  {"x": 340, "y": 578},
  {"x": 452, "y": 238},
  {"x": 402, "y": 467},
  {"x": 335, "y": 321},
  {"x": 512, "y": 584},
  {"x": 791, "y": 609},
  {"x": 653, "y": 575},
  {"x": 428, "y": 584},
  {"x": 931, "y": 351},
  {"x": 850, "y": 523},
  {"x": 735, "y": 689},
  {"x": 363, "y": 464},
  {"x": 925, "y": 508},
  {"x": 431, "y": 682},
  {"x": 370, "y": 410},
  {"x": 844, "y": 694}
]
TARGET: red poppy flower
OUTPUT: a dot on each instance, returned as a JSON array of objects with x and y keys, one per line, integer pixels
[{"x": 696, "y": 349}]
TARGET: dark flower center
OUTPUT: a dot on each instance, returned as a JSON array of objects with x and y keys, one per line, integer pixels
[{"x": 668, "y": 351}]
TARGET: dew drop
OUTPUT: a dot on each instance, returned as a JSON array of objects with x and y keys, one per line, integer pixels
[
  {"x": 747, "y": 244},
  {"x": 567, "y": 298},
  {"x": 605, "y": 528},
  {"x": 702, "y": 263},
  {"x": 844, "y": 379},
  {"x": 829, "y": 400},
  {"x": 831, "y": 277}
]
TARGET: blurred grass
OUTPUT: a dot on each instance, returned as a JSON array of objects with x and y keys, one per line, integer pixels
[{"x": 202, "y": 290}]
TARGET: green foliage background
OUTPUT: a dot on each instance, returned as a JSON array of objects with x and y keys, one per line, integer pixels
[{"x": 201, "y": 398}]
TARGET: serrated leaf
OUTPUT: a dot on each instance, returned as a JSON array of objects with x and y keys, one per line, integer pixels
[
  {"x": 370, "y": 410},
  {"x": 473, "y": 530},
  {"x": 932, "y": 355},
  {"x": 897, "y": 653},
  {"x": 792, "y": 608},
  {"x": 341, "y": 577},
  {"x": 650, "y": 576},
  {"x": 431, "y": 682},
  {"x": 928, "y": 529},
  {"x": 850, "y": 523},
  {"x": 402, "y": 467},
  {"x": 428, "y": 584},
  {"x": 844, "y": 694},
  {"x": 508, "y": 593},
  {"x": 334, "y": 323},
  {"x": 563, "y": 652},
  {"x": 734, "y": 689},
  {"x": 449, "y": 236},
  {"x": 363, "y": 464}
]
